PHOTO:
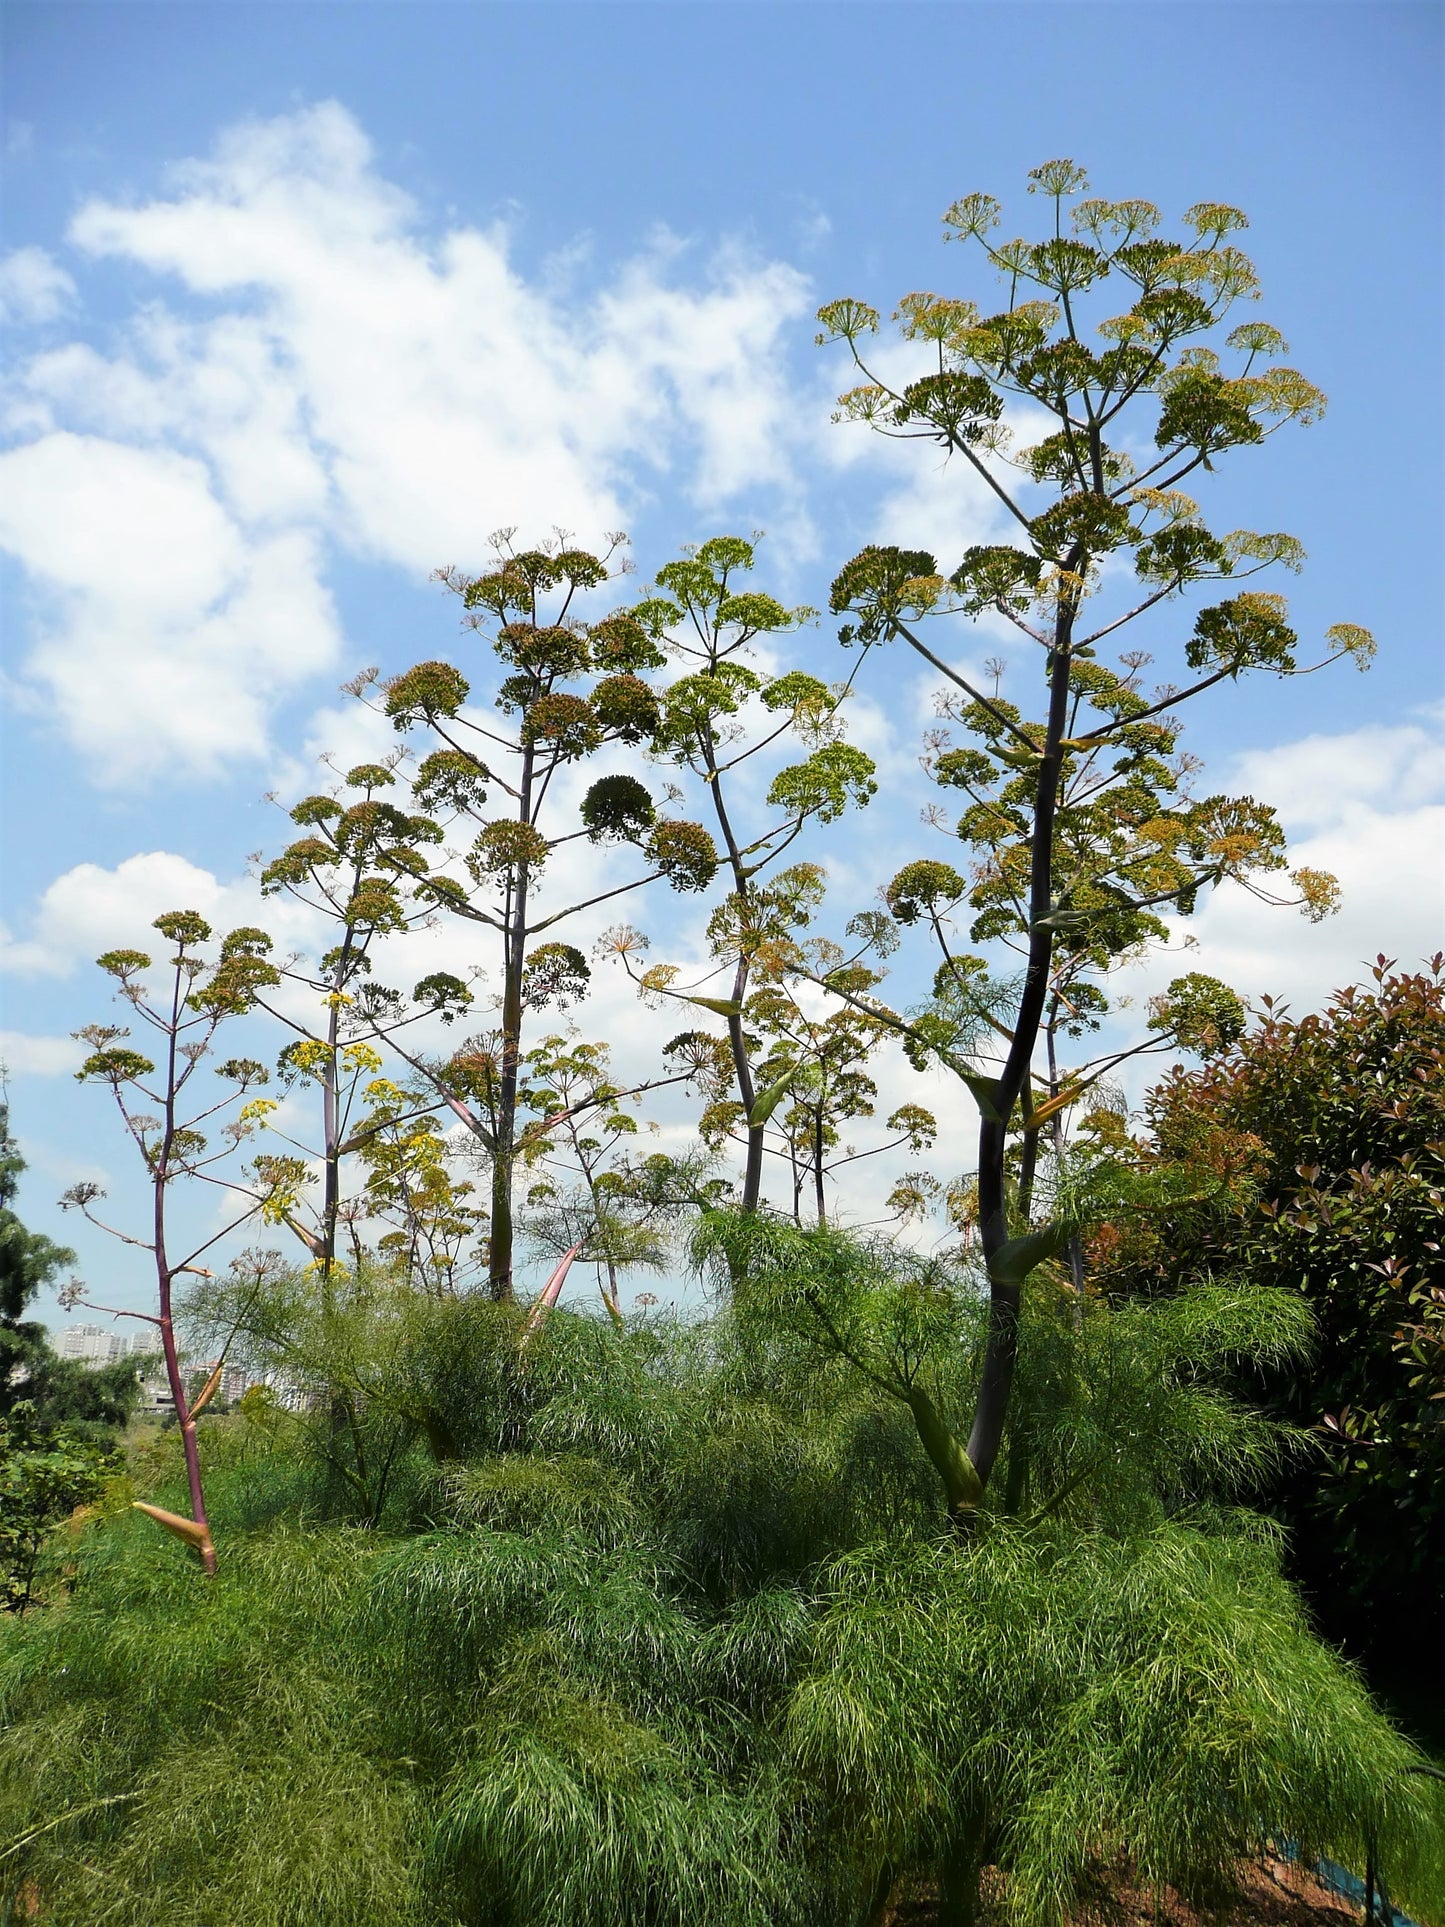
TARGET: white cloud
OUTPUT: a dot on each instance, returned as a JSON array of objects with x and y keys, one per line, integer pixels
[
  {"x": 933, "y": 497},
  {"x": 1371, "y": 804},
  {"x": 1393, "y": 900},
  {"x": 1323, "y": 780},
  {"x": 26, "y": 1056},
  {"x": 340, "y": 736},
  {"x": 33, "y": 287},
  {"x": 705, "y": 357},
  {"x": 222, "y": 389},
  {"x": 365, "y": 386},
  {"x": 141, "y": 523},
  {"x": 940, "y": 505},
  {"x": 813, "y": 227},
  {"x": 168, "y": 633},
  {"x": 1368, "y": 805},
  {"x": 90, "y": 909}
]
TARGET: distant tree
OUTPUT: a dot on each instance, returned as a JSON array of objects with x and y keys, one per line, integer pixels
[
  {"x": 428, "y": 1215},
  {"x": 28, "y": 1260},
  {"x": 589, "y": 1198},
  {"x": 806, "y": 1075},
  {"x": 1081, "y": 825},
  {"x": 95, "y": 1400},
  {"x": 816, "y": 1072},
  {"x": 351, "y": 865},
  {"x": 724, "y": 720},
  {"x": 527, "y": 608}
]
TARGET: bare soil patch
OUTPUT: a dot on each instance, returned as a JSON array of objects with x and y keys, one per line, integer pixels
[{"x": 1271, "y": 1893}]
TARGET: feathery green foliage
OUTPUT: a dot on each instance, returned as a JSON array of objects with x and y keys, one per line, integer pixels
[
  {"x": 1086, "y": 1696},
  {"x": 678, "y": 1632}
]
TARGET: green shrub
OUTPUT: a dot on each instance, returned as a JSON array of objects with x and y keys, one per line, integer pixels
[{"x": 700, "y": 1645}]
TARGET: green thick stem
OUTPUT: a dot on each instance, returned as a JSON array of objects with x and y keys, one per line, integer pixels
[
  {"x": 737, "y": 1038},
  {"x": 962, "y": 1486},
  {"x": 882, "y": 1894},
  {"x": 959, "y": 1871}
]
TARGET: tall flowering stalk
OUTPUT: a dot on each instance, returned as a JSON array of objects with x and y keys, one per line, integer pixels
[
  {"x": 184, "y": 1012},
  {"x": 1079, "y": 817},
  {"x": 525, "y": 609},
  {"x": 729, "y": 725}
]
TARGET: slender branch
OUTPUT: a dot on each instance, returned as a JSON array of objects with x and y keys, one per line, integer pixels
[
  {"x": 572, "y": 910},
  {"x": 1103, "y": 734},
  {"x": 101, "y": 1225},
  {"x": 114, "y": 1311},
  {"x": 1161, "y": 595},
  {"x": 1013, "y": 616},
  {"x": 845, "y": 1350},
  {"x": 73, "y": 1813},
  {"x": 954, "y": 676},
  {"x": 753, "y": 748},
  {"x": 189, "y": 1263}
]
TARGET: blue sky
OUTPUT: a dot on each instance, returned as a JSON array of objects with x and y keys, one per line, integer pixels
[{"x": 306, "y": 300}]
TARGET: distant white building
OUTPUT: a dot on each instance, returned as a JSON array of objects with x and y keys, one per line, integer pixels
[
  {"x": 155, "y": 1396},
  {"x": 289, "y": 1393},
  {"x": 94, "y": 1345},
  {"x": 236, "y": 1381},
  {"x": 87, "y": 1344}
]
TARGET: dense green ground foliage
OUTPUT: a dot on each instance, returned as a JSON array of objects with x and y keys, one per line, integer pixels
[
  {"x": 58, "y": 1421},
  {"x": 679, "y": 1630}
]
